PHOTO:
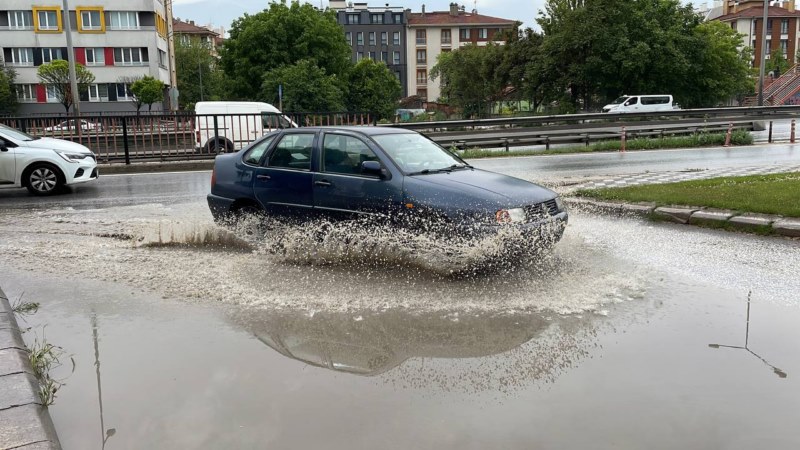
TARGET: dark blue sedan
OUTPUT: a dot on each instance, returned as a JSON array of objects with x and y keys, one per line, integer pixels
[{"x": 388, "y": 174}]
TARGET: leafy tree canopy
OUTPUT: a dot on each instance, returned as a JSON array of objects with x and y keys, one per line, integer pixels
[
  {"x": 197, "y": 69},
  {"x": 282, "y": 35},
  {"x": 148, "y": 90},
  {"x": 372, "y": 87},
  {"x": 8, "y": 94},
  {"x": 56, "y": 74},
  {"x": 306, "y": 88},
  {"x": 470, "y": 76}
]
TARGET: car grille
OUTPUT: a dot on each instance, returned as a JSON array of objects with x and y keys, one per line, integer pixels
[{"x": 541, "y": 210}]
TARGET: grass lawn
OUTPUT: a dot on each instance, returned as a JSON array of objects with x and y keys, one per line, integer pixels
[{"x": 768, "y": 194}]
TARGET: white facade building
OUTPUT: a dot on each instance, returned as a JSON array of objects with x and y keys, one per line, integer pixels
[{"x": 117, "y": 40}]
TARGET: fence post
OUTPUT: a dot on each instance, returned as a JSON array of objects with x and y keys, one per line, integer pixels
[
  {"x": 505, "y": 143},
  {"x": 623, "y": 140},
  {"x": 769, "y": 138},
  {"x": 216, "y": 134},
  {"x": 547, "y": 142},
  {"x": 125, "y": 141},
  {"x": 728, "y": 135},
  {"x": 791, "y": 137}
]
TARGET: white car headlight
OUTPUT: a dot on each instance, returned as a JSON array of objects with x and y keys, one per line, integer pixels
[
  {"x": 514, "y": 215},
  {"x": 73, "y": 157}
]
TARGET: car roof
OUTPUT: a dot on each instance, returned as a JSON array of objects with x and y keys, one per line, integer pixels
[{"x": 365, "y": 130}]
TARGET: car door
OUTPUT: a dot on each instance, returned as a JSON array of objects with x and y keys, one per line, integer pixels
[
  {"x": 283, "y": 183},
  {"x": 342, "y": 189},
  {"x": 8, "y": 163}
]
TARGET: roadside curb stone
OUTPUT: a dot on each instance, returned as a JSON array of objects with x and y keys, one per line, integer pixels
[
  {"x": 708, "y": 216},
  {"x": 675, "y": 214},
  {"x": 24, "y": 422},
  {"x": 787, "y": 227},
  {"x": 620, "y": 209},
  {"x": 751, "y": 220}
]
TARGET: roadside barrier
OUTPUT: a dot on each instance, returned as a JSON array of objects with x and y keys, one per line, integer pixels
[
  {"x": 728, "y": 135},
  {"x": 623, "y": 140},
  {"x": 791, "y": 137}
]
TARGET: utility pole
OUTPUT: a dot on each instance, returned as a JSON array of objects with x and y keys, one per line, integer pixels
[
  {"x": 763, "y": 54},
  {"x": 73, "y": 77},
  {"x": 173, "y": 77}
]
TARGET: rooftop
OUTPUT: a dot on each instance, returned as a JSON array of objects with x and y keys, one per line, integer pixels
[
  {"x": 462, "y": 18},
  {"x": 757, "y": 12},
  {"x": 181, "y": 27}
]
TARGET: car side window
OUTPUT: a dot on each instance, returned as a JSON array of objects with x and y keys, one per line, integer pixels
[
  {"x": 345, "y": 154},
  {"x": 293, "y": 152},
  {"x": 632, "y": 101},
  {"x": 254, "y": 155}
]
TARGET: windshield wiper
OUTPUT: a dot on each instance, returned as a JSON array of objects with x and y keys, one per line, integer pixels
[
  {"x": 427, "y": 171},
  {"x": 461, "y": 166}
]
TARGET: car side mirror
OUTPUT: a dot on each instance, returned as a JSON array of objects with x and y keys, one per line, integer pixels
[
  {"x": 3, "y": 147},
  {"x": 373, "y": 168}
]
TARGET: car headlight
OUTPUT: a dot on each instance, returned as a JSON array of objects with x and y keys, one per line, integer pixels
[
  {"x": 514, "y": 215},
  {"x": 559, "y": 204},
  {"x": 73, "y": 157}
]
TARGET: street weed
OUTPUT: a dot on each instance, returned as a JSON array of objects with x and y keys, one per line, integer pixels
[{"x": 24, "y": 308}]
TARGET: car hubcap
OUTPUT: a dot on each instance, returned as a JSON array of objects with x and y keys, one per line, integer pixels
[{"x": 43, "y": 179}]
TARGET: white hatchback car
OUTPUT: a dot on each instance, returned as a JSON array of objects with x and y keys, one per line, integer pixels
[{"x": 43, "y": 165}]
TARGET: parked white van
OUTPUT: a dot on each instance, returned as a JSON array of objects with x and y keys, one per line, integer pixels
[
  {"x": 238, "y": 124},
  {"x": 640, "y": 103}
]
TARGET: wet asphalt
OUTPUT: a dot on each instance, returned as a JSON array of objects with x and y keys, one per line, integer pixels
[{"x": 630, "y": 335}]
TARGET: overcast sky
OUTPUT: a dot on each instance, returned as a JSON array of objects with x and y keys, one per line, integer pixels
[{"x": 223, "y": 12}]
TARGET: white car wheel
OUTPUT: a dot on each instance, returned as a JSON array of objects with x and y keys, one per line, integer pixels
[{"x": 43, "y": 179}]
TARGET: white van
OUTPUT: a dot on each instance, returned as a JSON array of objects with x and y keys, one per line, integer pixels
[
  {"x": 640, "y": 103},
  {"x": 238, "y": 124}
]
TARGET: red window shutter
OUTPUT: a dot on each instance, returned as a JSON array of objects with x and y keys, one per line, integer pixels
[
  {"x": 41, "y": 93},
  {"x": 109, "y": 56},
  {"x": 80, "y": 55}
]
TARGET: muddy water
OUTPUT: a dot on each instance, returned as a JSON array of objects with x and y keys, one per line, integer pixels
[{"x": 193, "y": 338}]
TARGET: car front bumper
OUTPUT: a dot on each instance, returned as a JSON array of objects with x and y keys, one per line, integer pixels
[
  {"x": 81, "y": 173},
  {"x": 549, "y": 230}
]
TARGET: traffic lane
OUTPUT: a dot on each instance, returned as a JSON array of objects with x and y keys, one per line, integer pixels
[
  {"x": 117, "y": 190},
  {"x": 618, "y": 163},
  {"x": 182, "y": 368}
]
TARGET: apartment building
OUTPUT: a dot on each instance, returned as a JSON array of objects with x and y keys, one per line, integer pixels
[
  {"x": 431, "y": 33},
  {"x": 783, "y": 24},
  {"x": 117, "y": 40},
  {"x": 377, "y": 33},
  {"x": 188, "y": 31}
]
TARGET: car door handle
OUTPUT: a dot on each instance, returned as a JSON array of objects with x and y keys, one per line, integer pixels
[
  {"x": 263, "y": 177},
  {"x": 323, "y": 183}
]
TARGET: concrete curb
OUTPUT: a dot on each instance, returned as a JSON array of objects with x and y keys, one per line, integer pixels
[
  {"x": 155, "y": 167},
  {"x": 748, "y": 222},
  {"x": 24, "y": 422}
]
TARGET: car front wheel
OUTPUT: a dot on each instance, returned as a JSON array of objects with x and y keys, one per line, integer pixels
[{"x": 43, "y": 179}]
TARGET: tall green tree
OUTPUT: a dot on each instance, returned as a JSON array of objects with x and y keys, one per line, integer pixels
[
  {"x": 147, "y": 91},
  {"x": 777, "y": 62},
  {"x": 200, "y": 76},
  {"x": 373, "y": 87},
  {"x": 469, "y": 77},
  {"x": 282, "y": 35},
  {"x": 306, "y": 88},
  {"x": 56, "y": 76},
  {"x": 8, "y": 93}
]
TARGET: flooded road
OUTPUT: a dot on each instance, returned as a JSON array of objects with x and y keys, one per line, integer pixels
[{"x": 185, "y": 337}]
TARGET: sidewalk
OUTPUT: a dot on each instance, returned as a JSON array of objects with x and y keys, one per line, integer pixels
[{"x": 24, "y": 422}]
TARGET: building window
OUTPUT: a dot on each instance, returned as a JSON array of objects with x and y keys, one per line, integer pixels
[
  {"x": 124, "y": 92},
  {"x": 50, "y": 54},
  {"x": 446, "y": 39},
  {"x": 98, "y": 92},
  {"x": 26, "y": 93},
  {"x": 372, "y": 56},
  {"x": 422, "y": 56},
  {"x": 483, "y": 33},
  {"x": 52, "y": 94},
  {"x": 360, "y": 38},
  {"x": 784, "y": 47},
  {"x": 769, "y": 26},
  {"x": 464, "y": 34},
  {"x": 398, "y": 18},
  {"x": 422, "y": 76},
  {"x": 353, "y": 19},
  {"x": 128, "y": 56},
  {"x": 733, "y": 24},
  {"x": 124, "y": 20},
  {"x": 376, "y": 18},
  {"x": 91, "y": 19},
  {"x": 385, "y": 57},
  {"x": 422, "y": 93},
  {"x": 384, "y": 38},
  {"x": 396, "y": 58},
  {"x": 20, "y": 20},
  {"x": 397, "y": 75},
  {"x": 348, "y": 37},
  {"x": 95, "y": 56},
  {"x": 785, "y": 26},
  {"x": 371, "y": 38},
  {"x": 422, "y": 37},
  {"x": 22, "y": 56},
  {"x": 396, "y": 38},
  {"x": 359, "y": 56},
  {"x": 162, "y": 59},
  {"x": 47, "y": 19}
]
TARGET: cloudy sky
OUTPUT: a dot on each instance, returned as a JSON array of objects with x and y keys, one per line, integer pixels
[{"x": 223, "y": 12}]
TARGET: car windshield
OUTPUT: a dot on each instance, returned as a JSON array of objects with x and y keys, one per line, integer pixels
[
  {"x": 416, "y": 154},
  {"x": 620, "y": 100},
  {"x": 15, "y": 134}
]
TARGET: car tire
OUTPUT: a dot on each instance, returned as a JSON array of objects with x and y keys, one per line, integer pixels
[{"x": 43, "y": 179}]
